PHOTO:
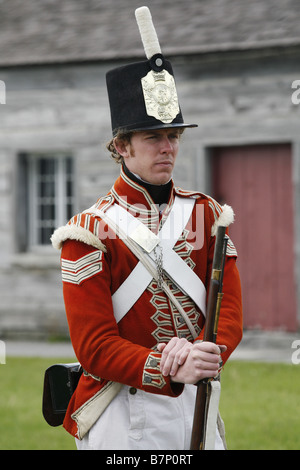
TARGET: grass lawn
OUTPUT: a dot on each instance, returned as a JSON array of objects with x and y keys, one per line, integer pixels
[
  {"x": 259, "y": 404},
  {"x": 22, "y": 424}
]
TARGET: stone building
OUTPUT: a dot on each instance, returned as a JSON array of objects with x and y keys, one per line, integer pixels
[{"x": 237, "y": 69}]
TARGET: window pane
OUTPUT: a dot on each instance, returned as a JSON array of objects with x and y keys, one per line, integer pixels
[
  {"x": 46, "y": 177},
  {"x": 70, "y": 211},
  {"x": 44, "y": 236},
  {"x": 47, "y": 212},
  {"x": 69, "y": 189}
]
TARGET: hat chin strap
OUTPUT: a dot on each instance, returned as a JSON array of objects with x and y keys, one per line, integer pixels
[{"x": 147, "y": 32}]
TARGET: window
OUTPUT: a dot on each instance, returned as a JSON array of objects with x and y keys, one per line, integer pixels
[{"x": 46, "y": 192}]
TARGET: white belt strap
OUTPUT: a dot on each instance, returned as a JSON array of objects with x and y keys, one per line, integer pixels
[
  {"x": 178, "y": 271},
  {"x": 146, "y": 262},
  {"x": 212, "y": 415}
]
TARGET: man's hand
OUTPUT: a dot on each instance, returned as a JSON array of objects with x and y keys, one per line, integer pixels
[
  {"x": 174, "y": 354},
  {"x": 188, "y": 363}
]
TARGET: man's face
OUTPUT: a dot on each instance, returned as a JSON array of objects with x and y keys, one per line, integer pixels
[{"x": 151, "y": 154}]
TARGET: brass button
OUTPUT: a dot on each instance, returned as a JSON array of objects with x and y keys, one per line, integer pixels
[{"x": 132, "y": 391}]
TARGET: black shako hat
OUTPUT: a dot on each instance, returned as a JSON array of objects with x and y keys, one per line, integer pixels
[{"x": 142, "y": 95}]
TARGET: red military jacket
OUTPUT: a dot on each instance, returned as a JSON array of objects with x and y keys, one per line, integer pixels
[{"x": 93, "y": 268}]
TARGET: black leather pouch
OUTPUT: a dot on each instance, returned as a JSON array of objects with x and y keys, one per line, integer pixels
[{"x": 60, "y": 382}]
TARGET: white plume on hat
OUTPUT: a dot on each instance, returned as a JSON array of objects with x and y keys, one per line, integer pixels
[{"x": 147, "y": 32}]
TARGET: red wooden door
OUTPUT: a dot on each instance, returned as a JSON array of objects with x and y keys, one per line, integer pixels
[{"x": 257, "y": 182}]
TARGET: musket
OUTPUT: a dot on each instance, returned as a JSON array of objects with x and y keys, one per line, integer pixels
[{"x": 210, "y": 334}]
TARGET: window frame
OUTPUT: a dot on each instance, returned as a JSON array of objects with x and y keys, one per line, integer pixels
[{"x": 29, "y": 199}]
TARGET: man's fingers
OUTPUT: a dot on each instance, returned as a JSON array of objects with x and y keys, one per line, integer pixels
[
  {"x": 205, "y": 355},
  {"x": 171, "y": 354}
]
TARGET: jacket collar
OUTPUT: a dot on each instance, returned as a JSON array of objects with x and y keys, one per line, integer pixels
[
  {"x": 133, "y": 192},
  {"x": 135, "y": 198}
]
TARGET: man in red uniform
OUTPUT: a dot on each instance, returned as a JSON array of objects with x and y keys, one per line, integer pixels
[{"x": 135, "y": 269}]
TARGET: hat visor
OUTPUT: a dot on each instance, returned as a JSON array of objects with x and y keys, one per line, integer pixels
[
  {"x": 153, "y": 127},
  {"x": 164, "y": 126}
]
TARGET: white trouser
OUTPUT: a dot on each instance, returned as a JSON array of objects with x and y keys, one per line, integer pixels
[{"x": 145, "y": 421}]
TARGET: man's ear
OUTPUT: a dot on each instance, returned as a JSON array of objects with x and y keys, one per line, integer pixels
[{"x": 121, "y": 147}]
